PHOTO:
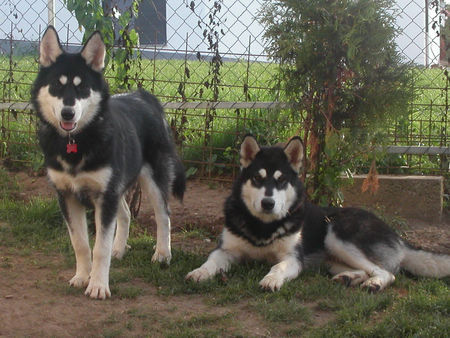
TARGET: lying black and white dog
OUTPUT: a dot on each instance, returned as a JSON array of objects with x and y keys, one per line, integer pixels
[
  {"x": 95, "y": 147},
  {"x": 268, "y": 217}
]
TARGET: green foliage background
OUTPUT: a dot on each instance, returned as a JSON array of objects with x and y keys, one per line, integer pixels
[{"x": 338, "y": 61}]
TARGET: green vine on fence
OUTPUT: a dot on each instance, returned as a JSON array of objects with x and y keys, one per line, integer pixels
[
  {"x": 212, "y": 34},
  {"x": 91, "y": 17}
]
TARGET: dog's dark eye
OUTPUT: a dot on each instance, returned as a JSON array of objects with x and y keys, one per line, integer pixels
[
  {"x": 257, "y": 179},
  {"x": 281, "y": 180},
  {"x": 57, "y": 84}
]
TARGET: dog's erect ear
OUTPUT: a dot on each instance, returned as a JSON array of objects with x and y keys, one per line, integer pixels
[
  {"x": 249, "y": 149},
  {"x": 50, "y": 47},
  {"x": 94, "y": 52},
  {"x": 294, "y": 153}
]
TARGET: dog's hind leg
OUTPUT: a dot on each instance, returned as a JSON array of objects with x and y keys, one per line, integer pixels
[
  {"x": 346, "y": 275},
  {"x": 350, "y": 255},
  {"x": 122, "y": 230},
  {"x": 75, "y": 215},
  {"x": 105, "y": 222},
  {"x": 150, "y": 188}
]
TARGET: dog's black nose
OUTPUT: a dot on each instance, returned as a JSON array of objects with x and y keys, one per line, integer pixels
[
  {"x": 67, "y": 114},
  {"x": 267, "y": 203}
]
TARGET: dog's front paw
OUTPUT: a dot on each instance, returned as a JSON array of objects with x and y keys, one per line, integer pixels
[
  {"x": 271, "y": 282},
  {"x": 199, "y": 275},
  {"x": 97, "y": 290},
  {"x": 119, "y": 251},
  {"x": 162, "y": 256},
  {"x": 79, "y": 281}
]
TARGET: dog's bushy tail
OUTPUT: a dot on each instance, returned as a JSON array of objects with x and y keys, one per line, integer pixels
[
  {"x": 179, "y": 183},
  {"x": 425, "y": 263}
]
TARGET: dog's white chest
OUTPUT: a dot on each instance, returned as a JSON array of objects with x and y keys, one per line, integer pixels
[
  {"x": 91, "y": 181},
  {"x": 271, "y": 253}
]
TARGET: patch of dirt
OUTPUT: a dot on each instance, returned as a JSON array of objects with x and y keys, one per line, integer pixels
[
  {"x": 202, "y": 208},
  {"x": 31, "y": 185},
  {"x": 35, "y": 301}
]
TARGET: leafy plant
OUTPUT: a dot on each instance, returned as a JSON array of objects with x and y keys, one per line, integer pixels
[
  {"x": 91, "y": 16},
  {"x": 211, "y": 34},
  {"x": 338, "y": 62}
]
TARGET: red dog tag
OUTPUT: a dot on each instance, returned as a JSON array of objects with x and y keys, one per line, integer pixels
[{"x": 72, "y": 148}]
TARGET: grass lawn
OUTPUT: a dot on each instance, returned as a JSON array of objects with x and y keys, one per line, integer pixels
[{"x": 230, "y": 305}]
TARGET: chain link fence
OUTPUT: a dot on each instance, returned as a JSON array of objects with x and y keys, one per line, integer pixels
[{"x": 211, "y": 103}]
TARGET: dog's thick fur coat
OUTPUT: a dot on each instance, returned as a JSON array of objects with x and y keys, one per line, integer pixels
[
  {"x": 95, "y": 148},
  {"x": 268, "y": 217}
]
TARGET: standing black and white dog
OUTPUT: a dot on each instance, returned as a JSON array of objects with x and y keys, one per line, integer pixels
[
  {"x": 267, "y": 210},
  {"x": 95, "y": 147}
]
